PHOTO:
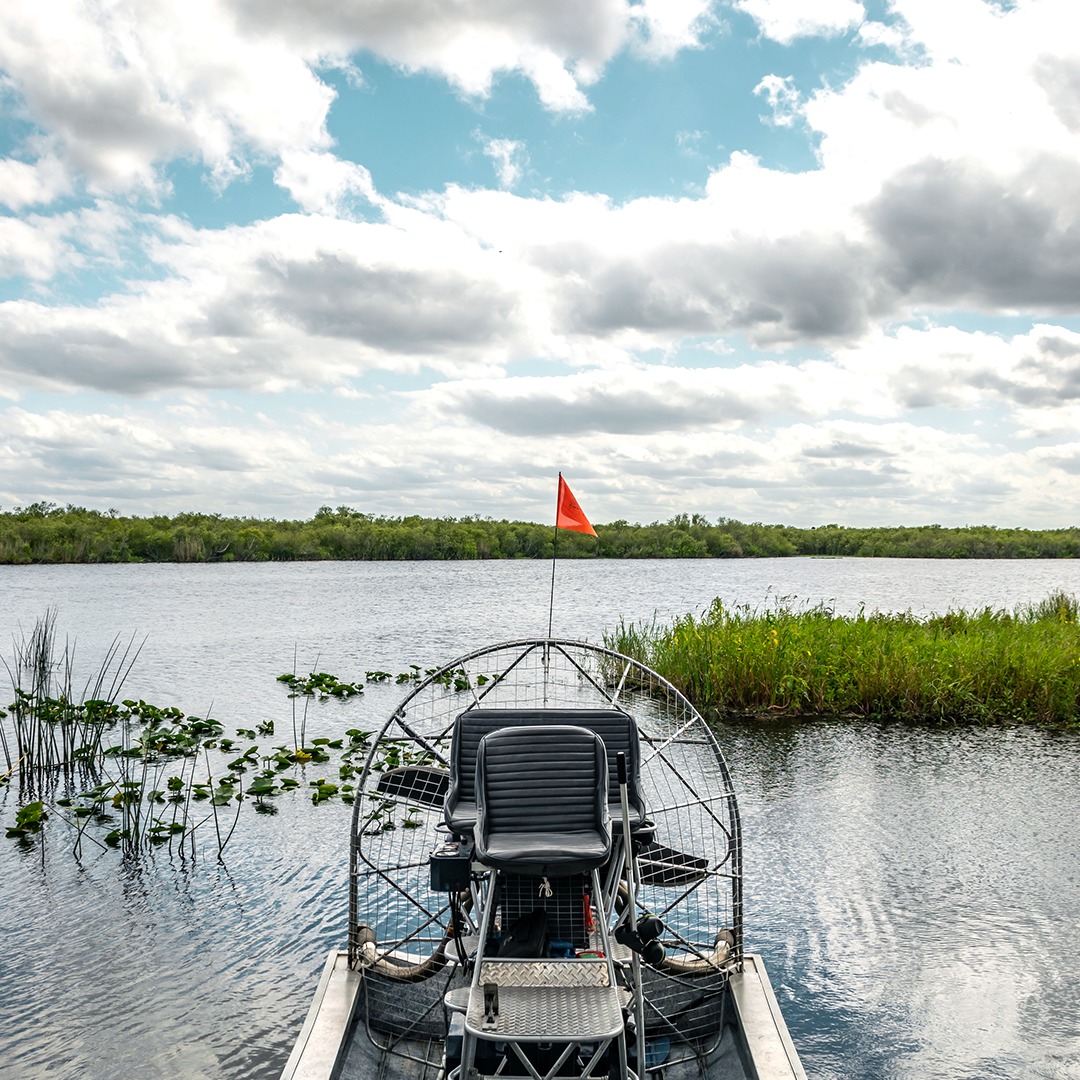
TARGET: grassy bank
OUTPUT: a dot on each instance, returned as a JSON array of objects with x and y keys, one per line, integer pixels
[{"x": 961, "y": 667}]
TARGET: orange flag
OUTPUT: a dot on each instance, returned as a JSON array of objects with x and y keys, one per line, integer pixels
[{"x": 570, "y": 515}]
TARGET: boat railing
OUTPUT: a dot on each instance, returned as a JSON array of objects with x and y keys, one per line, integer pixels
[{"x": 411, "y": 942}]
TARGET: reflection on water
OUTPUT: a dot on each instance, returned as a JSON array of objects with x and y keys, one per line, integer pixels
[
  {"x": 915, "y": 892},
  {"x": 161, "y": 968}
]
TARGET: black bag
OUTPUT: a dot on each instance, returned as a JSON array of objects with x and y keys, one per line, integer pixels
[{"x": 527, "y": 937}]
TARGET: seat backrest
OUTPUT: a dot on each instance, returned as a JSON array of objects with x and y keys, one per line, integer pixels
[
  {"x": 615, "y": 727},
  {"x": 549, "y": 778},
  {"x": 541, "y": 799}
]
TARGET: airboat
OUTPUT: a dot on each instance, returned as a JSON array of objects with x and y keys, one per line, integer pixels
[{"x": 545, "y": 882}]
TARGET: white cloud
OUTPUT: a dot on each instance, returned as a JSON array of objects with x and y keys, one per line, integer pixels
[
  {"x": 226, "y": 82},
  {"x": 43, "y": 247},
  {"x": 804, "y": 473},
  {"x": 990, "y": 95},
  {"x": 783, "y": 98},
  {"x": 27, "y": 250},
  {"x": 555, "y": 45},
  {"x": 299, "y": 300},
  {"x": 321, "y": 183},
  {"x": 946, "y": 32},
  {"x": 629, "y": 401},
  {"x": 915, "y": 160},
  {"x": 888, "y": 36},
  {"x": 786, "y": 20},
  {"x": 667, "y": 26},
  {"x": 950, "y": 184},
  {"x": 124, "y": 91},
  {"x": 24, "y": 184},
  {"x": 652, "y": 271},
  {"x": 509, "y": 157}
]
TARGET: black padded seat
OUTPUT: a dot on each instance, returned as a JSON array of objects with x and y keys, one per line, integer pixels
[
  {"x": 542, "y": 800},
  {"x": 614, "y": 726}
]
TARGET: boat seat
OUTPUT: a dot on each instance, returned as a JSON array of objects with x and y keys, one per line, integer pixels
[
  {"x": 541, "y": 793},
  {"x": 542, "y": 800},
  {"x": 615, "y": 727}
]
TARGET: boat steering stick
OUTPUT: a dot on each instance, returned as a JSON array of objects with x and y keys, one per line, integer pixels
[{"x": 632, "y": 886}]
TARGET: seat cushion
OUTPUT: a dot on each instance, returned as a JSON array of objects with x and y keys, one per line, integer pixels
[{"x": 546, "y": 852}]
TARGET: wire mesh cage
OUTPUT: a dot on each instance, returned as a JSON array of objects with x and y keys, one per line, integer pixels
[{"x": 410, "y": 939}]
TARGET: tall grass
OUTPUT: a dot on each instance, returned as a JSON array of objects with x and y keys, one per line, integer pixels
[
  {"x": 56, "y": 729},
  {"x": 961, "y": 667},
  {"x": 52, "y": 740}
]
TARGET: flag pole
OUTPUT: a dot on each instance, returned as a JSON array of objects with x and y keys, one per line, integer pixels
[
  {"x": 554, "y": 551},
  {"x": 568, "y": 515}
]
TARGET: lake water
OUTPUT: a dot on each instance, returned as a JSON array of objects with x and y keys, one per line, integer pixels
[{"x": 916, "y": 893}]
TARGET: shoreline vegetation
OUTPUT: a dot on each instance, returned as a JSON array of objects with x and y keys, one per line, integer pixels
[
  {"x": 46, "y": 533},
  {"x": 984, "y": 667},
  {"x": 128, "y": 774}
]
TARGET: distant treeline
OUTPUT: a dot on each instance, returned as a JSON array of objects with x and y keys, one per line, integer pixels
[{"x": 45, "y": 533}]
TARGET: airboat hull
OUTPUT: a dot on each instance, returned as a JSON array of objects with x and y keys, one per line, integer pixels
[
  {"x": 446, "y": 869},
  {"x": 756, "y": 1046}
]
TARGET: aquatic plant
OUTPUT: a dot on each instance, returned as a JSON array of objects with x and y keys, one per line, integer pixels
[
  {"x": 143, "y": 787},
  {"x": 55, "y": 730},
  {"x": 28, "y": 819},
  {"x": 321, "y": 684},
  {"x": 1060, "y": 607},
  {"x": 960, "y": 667}
]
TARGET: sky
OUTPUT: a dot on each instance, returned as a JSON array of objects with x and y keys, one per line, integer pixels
[{"x": 790, "y": 261}]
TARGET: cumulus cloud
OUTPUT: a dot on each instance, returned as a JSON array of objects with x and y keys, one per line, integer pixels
[
  {"x": 956, "y": 234},
  {"x": 786, "y": 20},
  {"x": 942, "y": 367},
  {"x": 934, "y": 187},
  {"x": 130, "y": 458},
  {"x": 653, "y": 270},
  {"x": 948, "y": 184},
  {"x": 26, "y": 248},
  {"x": 805, "y": 472},
  {"x": 24, "y": 184},
  {"x": 294, "y": 301},
  {"x": 322, "y": 183},
  {"x": 125, "y": 90},
  {"x": 42, "y": 247},
  {"x": 627, "y": 402},
  {"x": 667, "y": 26},
  {"x": 227, "y": 83},
  {"x": 890, "y": 376}
]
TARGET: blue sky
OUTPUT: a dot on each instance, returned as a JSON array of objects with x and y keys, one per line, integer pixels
[{"x": 763, "y": 259}]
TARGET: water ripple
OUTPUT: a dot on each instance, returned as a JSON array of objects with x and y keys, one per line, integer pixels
[{"x": 916, "y": 893}]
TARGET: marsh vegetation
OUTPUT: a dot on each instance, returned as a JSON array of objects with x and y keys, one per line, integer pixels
[
  {"x": 128, "y": 774},
  {"x": 988, "y": 666}
]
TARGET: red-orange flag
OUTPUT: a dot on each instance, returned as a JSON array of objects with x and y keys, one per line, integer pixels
[{"x": 569, "y": 514}]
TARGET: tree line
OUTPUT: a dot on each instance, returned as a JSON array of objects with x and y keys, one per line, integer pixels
[{"x": 45, "y": 533}]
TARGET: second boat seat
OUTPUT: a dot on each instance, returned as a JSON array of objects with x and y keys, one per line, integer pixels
[{"x": 615, "y": 727}]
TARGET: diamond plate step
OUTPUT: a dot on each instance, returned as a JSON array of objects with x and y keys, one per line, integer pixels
[{"x": 542, "y": 1000}]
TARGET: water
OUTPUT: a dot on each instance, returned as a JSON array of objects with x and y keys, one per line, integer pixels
[
  {"x": 916, "y": 896},
  {"x": 915, "y": 893}
]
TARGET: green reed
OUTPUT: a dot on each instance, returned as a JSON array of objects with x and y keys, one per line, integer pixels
[
  {"x": 961, "y": 667},
  {"x": 136, "y": 776},
  {"x": 56, "y": 729}
]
